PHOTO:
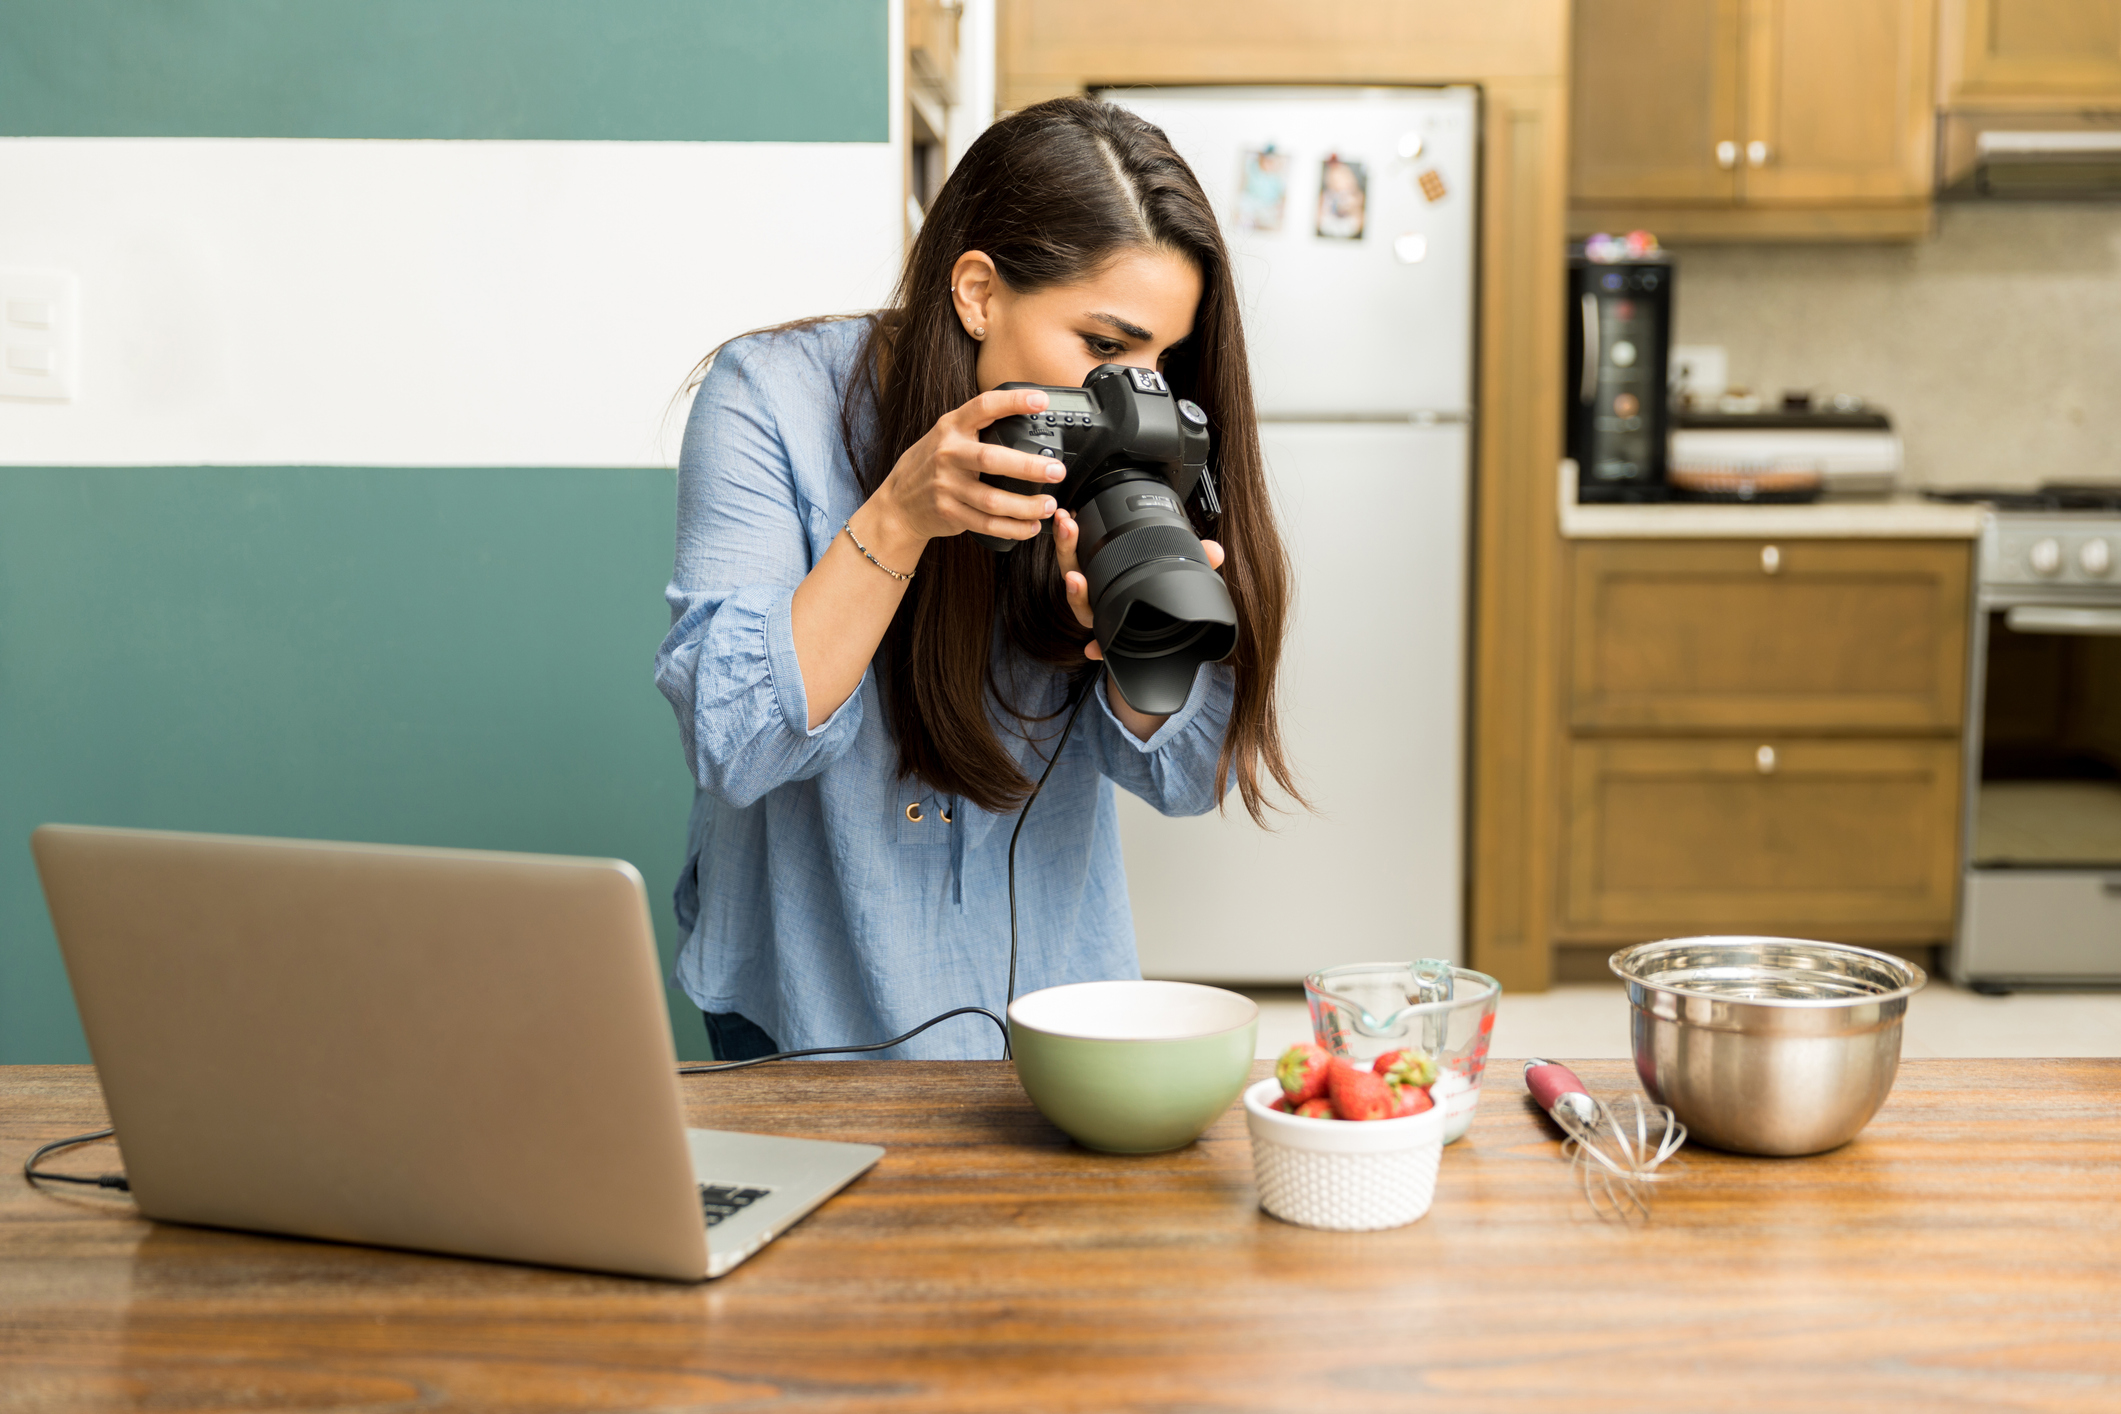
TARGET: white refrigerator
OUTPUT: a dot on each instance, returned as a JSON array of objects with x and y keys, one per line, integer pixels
[{"x": 1350, "y": 214}]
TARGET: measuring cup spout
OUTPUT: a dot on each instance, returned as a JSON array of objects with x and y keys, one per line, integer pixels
[{"x": 1429, "y": 980}]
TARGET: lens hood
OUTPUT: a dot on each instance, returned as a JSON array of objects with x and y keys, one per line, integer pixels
[{"x": 1157, "y": 622}]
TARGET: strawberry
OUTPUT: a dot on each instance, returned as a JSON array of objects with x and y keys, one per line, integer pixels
[
  {"x": 1412, "y": 1100},
  {"x": 1320, "y": 1108},
  {"x": 1302, "y": 1072},
  {"x": 1281, "y": 1103},
  {"x": 1406, "y": 1067},
  {"x": 1359, "y": 1094}
]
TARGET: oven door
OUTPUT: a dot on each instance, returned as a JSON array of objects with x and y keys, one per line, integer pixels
[{"x": 2043, "y": 882}]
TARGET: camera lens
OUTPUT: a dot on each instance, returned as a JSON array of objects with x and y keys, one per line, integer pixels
[
  {"x": 1149, "y": 632},
  {"x": 1160, "y": 609}
]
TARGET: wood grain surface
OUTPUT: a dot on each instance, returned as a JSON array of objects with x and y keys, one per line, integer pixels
[{"x": 1964, "y": 1253}]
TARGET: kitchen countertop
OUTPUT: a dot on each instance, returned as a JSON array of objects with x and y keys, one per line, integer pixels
[
  {"x": 1902, "y": 517},
  {"x": 1963, "y": 1253}
]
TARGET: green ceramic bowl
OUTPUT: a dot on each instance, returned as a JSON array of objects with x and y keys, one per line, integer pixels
[{"x": 1133, "y": 1067}]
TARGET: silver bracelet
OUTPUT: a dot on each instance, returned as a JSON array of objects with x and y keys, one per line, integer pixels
[{"x": 848, "y": 526}]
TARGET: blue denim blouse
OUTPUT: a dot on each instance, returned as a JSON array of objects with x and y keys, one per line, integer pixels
[{"x": 809, "y": 900}]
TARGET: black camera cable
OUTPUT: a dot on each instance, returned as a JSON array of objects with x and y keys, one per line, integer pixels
[
  {"x": 34, "y": 1175},
  {"x": 1081, "y": 696}
]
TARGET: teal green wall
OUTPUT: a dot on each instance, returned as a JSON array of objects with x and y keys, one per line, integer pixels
[
  {"x": 693, "y": 70},
  {"x": 447, "y": 657}
]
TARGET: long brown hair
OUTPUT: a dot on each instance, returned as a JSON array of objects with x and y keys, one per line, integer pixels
[{"x": 1051, "y": 193}]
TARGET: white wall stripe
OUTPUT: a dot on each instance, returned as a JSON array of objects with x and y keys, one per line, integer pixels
[{"x": 271, "y": 302}]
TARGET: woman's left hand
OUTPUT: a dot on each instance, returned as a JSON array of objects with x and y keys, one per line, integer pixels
[{"x": 1065, "y": 536}]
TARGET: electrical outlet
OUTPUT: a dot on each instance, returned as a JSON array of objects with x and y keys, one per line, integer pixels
[
  {"x": 1699, "y": 372},
  {"x": 40, "y": 335}
]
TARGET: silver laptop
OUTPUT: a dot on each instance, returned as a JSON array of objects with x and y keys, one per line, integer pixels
[{"x": 426, "y": 1048}]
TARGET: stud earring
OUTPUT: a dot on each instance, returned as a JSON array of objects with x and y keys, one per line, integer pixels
[{"x": 980, "y": 333}]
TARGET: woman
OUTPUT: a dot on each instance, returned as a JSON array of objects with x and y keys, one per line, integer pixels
[{"x": 866, "y": 693}]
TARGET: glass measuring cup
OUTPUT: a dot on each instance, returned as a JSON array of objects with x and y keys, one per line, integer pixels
[{"x": 1367, "y": 1008}]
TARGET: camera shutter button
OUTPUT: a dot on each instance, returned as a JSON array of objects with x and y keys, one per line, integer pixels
[{"x": 1190, "y": 411}]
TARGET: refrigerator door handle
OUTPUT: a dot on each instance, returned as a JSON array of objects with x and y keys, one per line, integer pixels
[{"x": 1589, "y": 386}]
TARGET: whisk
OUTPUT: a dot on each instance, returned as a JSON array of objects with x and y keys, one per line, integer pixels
[{"x": 1614, "y": 1148}]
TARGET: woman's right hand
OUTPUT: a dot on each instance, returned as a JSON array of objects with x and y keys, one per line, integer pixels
[{"x": 935, "y": 489}]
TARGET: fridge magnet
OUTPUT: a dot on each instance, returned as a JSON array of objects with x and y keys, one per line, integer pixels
[
  {"x": 1343, "y": 194},
  {"x": 1262, "y": 189},
  {"x": 1432, "y": 185}
]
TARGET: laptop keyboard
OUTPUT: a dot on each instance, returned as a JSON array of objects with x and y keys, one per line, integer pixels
[{"x": 723, "y": 1200}]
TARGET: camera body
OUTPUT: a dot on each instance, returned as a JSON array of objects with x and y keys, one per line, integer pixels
[
  {"x": 1135, "y": 453},
  {"x": 1121, "y": 419}
]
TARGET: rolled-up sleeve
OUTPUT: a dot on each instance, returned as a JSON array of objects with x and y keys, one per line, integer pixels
[
  {"x": 728, "y": 665},
  {"x": 1174, "y": 770}
]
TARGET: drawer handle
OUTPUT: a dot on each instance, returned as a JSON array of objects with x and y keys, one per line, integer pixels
[
  {"x": 1764, "y": 759},
  {"x": 1770, "y": 559}
]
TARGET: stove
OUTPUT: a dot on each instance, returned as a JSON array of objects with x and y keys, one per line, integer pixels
[
  {"x": 2060, "y": 539},
  {"x": 2041, "y": 902},
  {"x": 2055, "y": 496}
]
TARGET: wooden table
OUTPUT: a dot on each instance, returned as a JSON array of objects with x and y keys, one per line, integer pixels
[{"x": 1964, "y": 1253}]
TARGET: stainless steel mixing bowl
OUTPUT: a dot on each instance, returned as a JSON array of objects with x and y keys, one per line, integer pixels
[{"x": 1767, "y": 1045}]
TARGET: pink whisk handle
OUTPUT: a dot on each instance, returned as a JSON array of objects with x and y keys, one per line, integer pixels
[{"x": 1553, "y": 1083}]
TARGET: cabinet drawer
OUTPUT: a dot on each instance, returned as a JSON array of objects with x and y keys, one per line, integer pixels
[
  {"x": 1739, "y": 635},
  {"x": 1835, "y": 839}
]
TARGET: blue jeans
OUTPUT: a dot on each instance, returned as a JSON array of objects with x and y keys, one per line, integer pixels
[{"x": 736, "y": 1036}]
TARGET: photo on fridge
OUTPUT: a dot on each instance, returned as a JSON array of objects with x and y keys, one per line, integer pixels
[
  {"x": 1343, "y": 196},
  {"x": 1262, "y": 188}
]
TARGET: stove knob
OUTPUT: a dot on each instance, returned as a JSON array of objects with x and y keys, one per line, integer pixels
[
  {"x": 2095, "y": 558},
  {"x": 2046, "y": 558}
]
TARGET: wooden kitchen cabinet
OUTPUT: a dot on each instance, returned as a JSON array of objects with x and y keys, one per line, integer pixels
[
  {"x": 1839, "y": 99},
  {"x": 1752, "y": 119},
  {"x": 1843, "y": 839},
  {"x": 1762, "y": 737},
  {"x": 2038, "y": 53},
  {"x": 1656, "y": 89},
  {"x": 1741, "y": 635}
]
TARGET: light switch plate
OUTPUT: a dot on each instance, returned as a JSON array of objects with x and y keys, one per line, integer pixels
[
  {"x": 40, "y": 335},
  {"x": 1699, "y": 372}
]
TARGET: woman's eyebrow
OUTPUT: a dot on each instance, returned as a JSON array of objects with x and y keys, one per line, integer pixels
[{"x": 1132, "y": 331}]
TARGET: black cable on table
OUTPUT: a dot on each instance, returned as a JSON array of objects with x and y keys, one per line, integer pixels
[
  {"x": 850, "y": 1050},
  {"x": 35, "y": 1175}
]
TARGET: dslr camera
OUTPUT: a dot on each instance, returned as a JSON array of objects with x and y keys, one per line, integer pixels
[{"x": 1135, "y": 452}]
